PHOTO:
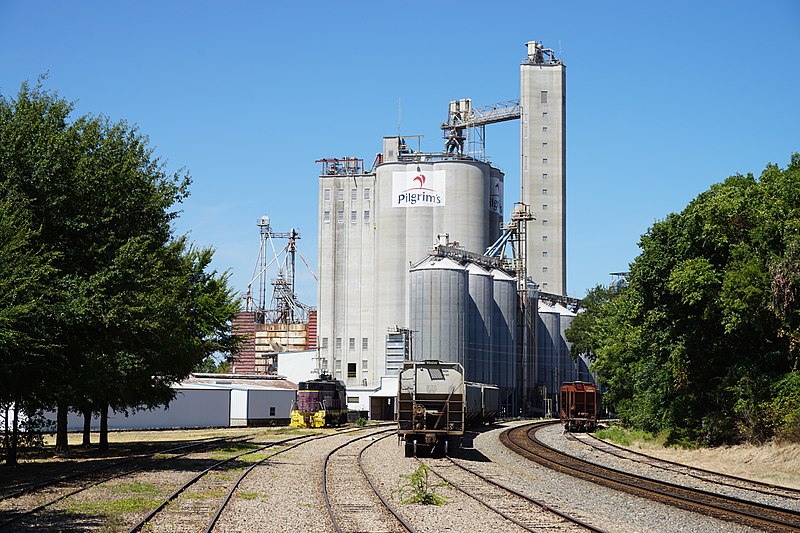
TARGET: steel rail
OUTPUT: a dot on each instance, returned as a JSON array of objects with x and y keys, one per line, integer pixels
[
  {"x": 540, "y": 504},
  {"x": 523, "y": 441},
  {"x": 67, "y": 494},
  {"x": 326, "y": 495},
  {"x": 769, "y": 489},
  {"x": 223, "y": 505}
]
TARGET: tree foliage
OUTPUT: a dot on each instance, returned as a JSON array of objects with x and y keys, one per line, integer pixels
[
  {"x": 706, "y": 338},
  {"x": 128, "y": 308}
]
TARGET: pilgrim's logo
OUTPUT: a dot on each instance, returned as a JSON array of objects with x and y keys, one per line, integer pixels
[{"x": 416, "y": 189}]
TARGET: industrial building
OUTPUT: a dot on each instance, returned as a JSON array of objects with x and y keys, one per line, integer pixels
[{"x": 413, "y": 263}]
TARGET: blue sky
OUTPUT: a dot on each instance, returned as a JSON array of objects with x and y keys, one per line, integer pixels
[{"x": 663, "y": 99}]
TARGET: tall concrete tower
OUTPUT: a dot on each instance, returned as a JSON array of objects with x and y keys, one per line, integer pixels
[{"x": 543, "y": 166}]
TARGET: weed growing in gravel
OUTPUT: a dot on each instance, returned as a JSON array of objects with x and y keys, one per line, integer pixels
[
  {"x": 247, "y": 495},
  {"x": 206, "y": 494},
  {"x": 416, "y": 488},
  {"x": 361, "y": 422},
  {"x": 623, "y": 436},
  {"x": 137, "y": 487}
]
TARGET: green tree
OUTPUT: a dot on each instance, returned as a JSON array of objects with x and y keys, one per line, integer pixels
[
  {"x": 711, "y": 319},
  {"x": 24, "y": 274},
  {"x": 132, "y": 308}
]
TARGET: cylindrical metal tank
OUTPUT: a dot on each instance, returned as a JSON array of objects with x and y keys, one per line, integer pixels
[
  {"x": 548, "y": 341},
  {"x": 504, "y": 331},
  {"x": 439, "y": 301},
  {"x": 480, "y": 358},
  {"x": 569, "y": 366},
  {"x": 496, "y": 195},
  {"x": 419, "y": 200}
]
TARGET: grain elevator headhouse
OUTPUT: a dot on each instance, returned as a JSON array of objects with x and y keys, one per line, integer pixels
[{"x": 543, "y": 165}]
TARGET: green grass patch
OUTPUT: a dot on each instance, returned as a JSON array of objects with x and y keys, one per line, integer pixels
[
  {"x": 623, "y": 436},
  {"x": 248, "y": 495},
  {"x": 138, "y": 488},
  {"x": 115, "y": 507}
]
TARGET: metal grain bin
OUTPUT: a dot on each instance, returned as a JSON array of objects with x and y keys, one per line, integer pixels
[
  {"x": 439, "y": 300},
  {"x": 480, "y": 357},
  {"x": 504, "y": 327}
]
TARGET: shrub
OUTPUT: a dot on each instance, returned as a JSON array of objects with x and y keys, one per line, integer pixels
[{"x": 416, "y": 488}]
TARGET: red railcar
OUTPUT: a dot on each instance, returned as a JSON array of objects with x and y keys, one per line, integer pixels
[{"x": 578, "y": 406}]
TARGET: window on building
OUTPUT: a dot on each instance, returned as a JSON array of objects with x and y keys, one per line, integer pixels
[
  {"x": 351, "y": 370},
  {"x": 544, "y": 146},
  {"x": 544, "y": 285},
  {"x": 338, "y": 343},
  {"x": 366, "y": 194},
  {"x": 352, "y": 399},
  {"x": 544, "y": 269},
  {"x": 544, "y": 97},
  {"x": 544, "y": 253},
  {"x": 544, "y": 192},
  {"x": 544, "y": 161},
  {"x": 352, "y": 343},
  {"x": 544, "y": 176},
  {"x": 364, "y": 343},
  {"x": 366, "y": 215},
  {"x": 353, "y": 216},
  {"x": 338, "y": 366},
  {"x": 544, "y": 222},
  {"x": 326, "y": 217},
  {"x": 364, "y": 365},
  {"x": 324, "y": 342},
  {"x": 271, "y": 411},
  {"x": 544, "y": 237},
  {"x": 340, "y": 195},
  {"x": 544, "y": 129},
  {"x": 340, "y": 216},
  {"x": 544, "y": 114},
  {"x": 353, "y": 194},
  {"x": 544, "y": 207},
  {"x": 326, "y": 195}
]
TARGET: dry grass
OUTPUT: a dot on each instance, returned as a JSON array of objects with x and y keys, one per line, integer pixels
[{"x": 772, "y": 463}]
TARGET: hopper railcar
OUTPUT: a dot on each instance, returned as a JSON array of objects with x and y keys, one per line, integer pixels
[
  {"x": 578, "y": 406},
  {"x": 320, "y": 403},
  {"x": 435, "y": 405}
]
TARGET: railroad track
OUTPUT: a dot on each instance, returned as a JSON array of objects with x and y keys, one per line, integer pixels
[
  {"x": 766, "y": 517},
  {"x": 719, "y": 480},
  {"x": 526, "y": 512},
  {"x": 212, "y": 489},
  {"x": 351, "y": 496},
  {"x": 21, "y": 505}
]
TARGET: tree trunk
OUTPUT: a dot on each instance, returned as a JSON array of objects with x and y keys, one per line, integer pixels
[
  {"x": 103, "y": 426},
  {"x": 87, "y": 427},
  {"x": 62, "y": 445},
  {"x": 6, "y": 433},
  {"x": 11, "y": 455}
]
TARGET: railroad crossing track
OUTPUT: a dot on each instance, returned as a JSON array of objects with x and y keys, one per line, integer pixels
[{"x": 522, "y": 440}]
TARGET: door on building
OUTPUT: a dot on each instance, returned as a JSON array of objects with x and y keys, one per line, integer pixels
[{"x": 381, "y": 407}]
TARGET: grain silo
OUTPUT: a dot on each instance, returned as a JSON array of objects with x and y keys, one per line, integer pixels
[
  {"x": 480, "y": 356},
  {"x": 504, "y": 326},
  {"x": 439, "y": 310}
]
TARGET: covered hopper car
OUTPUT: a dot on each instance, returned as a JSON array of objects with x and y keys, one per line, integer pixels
[
  {"x": 435, "y": 405},
  {"x": 320, "y": 402},
  {"x": 578, "y": 406}
]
